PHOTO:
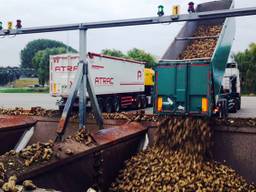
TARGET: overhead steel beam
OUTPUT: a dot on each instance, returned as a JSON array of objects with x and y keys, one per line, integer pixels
[{"x": 134, "y": 22}]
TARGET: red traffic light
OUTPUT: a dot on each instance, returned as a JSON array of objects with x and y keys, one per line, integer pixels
[
  {"x": 191, "y": 8},
  {"x": 18, "y": 24}
]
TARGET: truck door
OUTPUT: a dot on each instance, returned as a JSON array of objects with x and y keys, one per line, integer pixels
[{"x": 171, "y": 87}]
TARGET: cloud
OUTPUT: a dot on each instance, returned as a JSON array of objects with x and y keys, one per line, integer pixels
[{"x": 154, "y": 39}]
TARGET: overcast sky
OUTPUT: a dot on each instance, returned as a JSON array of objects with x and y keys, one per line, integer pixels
[{"x": 154, "y": 39}]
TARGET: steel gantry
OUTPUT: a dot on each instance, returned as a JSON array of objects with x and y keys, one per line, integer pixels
[{"x": 82, "y": 80}]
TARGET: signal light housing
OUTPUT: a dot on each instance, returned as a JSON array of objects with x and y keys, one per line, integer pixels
[
  {"x": 191, "y": 8},
  {"x": 160, "y": 10},
  {"x": 175, "y": 10},
  {"x": 18, "y": 24},
  {"x": 9, "y": 25}
]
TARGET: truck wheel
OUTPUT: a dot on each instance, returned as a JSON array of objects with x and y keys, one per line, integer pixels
[
  {"x": 234, "y": 109},
  {"x": 108, "y": 105},
  {"x": 116, "y": 104},
  {"x": 238, "y": 103},
  {"x": 144, "y": 102},
  {"x": 138, "y": 103},
  {"x": 61, "y": 108},
  {"x": 100, "y": 102},
  {"x": 223, "y": 109}
]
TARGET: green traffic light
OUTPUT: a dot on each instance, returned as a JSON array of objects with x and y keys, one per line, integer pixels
[
  {"x": 1, "y": 25},
  {"x": 160, "y": 10}
]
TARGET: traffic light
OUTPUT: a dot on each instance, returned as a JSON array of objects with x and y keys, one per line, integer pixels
[
  {"x": 191, "y": 8},
  {"x": 9, "y": 25},
  {"x": 18, "y": 24},
  {"x": 176, "y": 10},
  {"x": 1, "y": 25},
  {"x": 160, "y": 10}
]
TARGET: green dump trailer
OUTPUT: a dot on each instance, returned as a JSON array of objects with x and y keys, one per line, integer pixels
[{"x": 193, "y": 86}]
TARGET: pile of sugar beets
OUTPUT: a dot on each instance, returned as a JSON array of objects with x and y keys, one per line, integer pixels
[
  {"x": 202, "y": 48},
  {"x": 15, "y": 163},
  {"x": 180, "y": 160}
]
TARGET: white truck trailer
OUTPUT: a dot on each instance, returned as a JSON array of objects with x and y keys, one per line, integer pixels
[{"x": 117, "y": 82}]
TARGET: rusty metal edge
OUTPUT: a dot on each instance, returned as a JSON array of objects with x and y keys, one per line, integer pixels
[
  {"x": 58, "y": 163},
  {"x": 15, "y": 127}
]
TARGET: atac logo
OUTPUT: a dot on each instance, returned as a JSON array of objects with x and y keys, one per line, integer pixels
[{"x": 139, "y": 75}]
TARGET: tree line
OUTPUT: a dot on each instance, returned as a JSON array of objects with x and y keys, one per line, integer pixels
[
  {"x": 135, "y": 54},
  {"x": 246, "y": 61},
  {"x": 36, "y": 56},
  {"x": 7, "y": 76},
  {"x": 10, "y": 74}
]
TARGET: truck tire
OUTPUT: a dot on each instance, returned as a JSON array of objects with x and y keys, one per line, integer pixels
[
  {"x": 144, "y": 102},
  {"x": 234, "y": 109},
  {"x": 100, "y": 102},
  {"x": 238, "y": 103},
  {"x": 223, "y": 108},
  {"x": 108, "y": 105},
  {"x": 116, "y": 104},
  {"x": 138, "y": 102},
  {"x": 61, "y": 108},
  {"x": 233, "y": 106}
]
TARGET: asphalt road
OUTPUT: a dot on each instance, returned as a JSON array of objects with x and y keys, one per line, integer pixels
[
  {"x": 248, "y": 108},
  {"x": 28, "y": 100}
]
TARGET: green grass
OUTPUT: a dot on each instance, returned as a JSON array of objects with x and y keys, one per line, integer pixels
[
  {"x": 248, "y": 94},
  {"x": 24, "y": 90},
  {"x": 25, "y": 82},
  {"x": 24, "y": 85}
]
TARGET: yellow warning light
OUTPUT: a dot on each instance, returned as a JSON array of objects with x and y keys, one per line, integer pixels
[
  {"x": 159, "y": 104},
  {"x": 9, "y": 25},
  {"x": 204, "y": 104},
  {"x": 175, "y": 10}
]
